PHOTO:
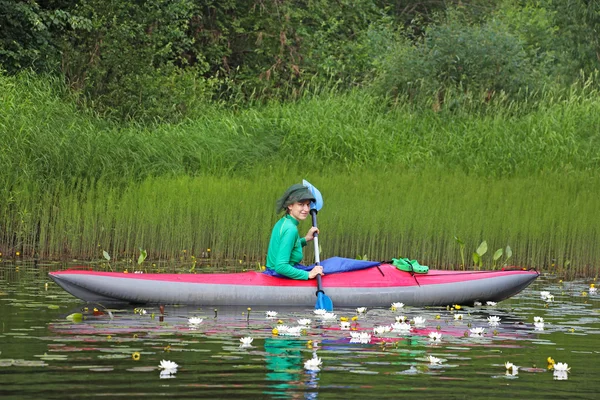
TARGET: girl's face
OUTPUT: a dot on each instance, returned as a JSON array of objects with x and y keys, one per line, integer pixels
[{"x": 299, "y": 210}]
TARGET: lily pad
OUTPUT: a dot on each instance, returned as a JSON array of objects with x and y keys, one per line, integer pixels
[{"x": 75, "y": 317}]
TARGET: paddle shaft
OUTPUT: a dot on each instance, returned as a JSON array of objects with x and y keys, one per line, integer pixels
[{"x": 313, "y": 215}]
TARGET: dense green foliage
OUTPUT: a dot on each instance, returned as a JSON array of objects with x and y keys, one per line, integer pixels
[{"x": 165, "y": 59}]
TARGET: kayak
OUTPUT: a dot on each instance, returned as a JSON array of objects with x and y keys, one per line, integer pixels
[{"x": 377, "y": 286}]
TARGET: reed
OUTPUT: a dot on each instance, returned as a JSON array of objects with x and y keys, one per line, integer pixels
[{"x": 378, "y": 214}]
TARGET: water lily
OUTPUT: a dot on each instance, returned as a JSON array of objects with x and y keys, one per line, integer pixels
[
  {"x": 282, "y": 329},
  {"x": 379, "y": 330},
  {"x": 458, "y": 316},
  {"x": 355, "y": 335},
  {"x": 562, "y": 367},
  {"x": 169, "y": 369},
  {"x": 401, "y": 327},
  {"x": 271, "y": 314},
  {"x": 592, "y": 288},
  {"x": 361, "y": 310},
  {"x": 435, "y": 336},
  {"x": 493, "y": 320},
  {"x": 549, "y": 298},
  {"x": 511, "y": 368},
  {"x": 195, "y": 321},
  {"x": 304, "y": 321},
  {"x": 538, "y": 326},
  {"x": 538, "y": 319},
  {"x": 246, "y": 341},
  {"x": 401, "y": 318},
  {"x": 329, "y": 315},
  {"x": 320, "y": 311},
  {"x": 360, "y": 337},
  {"x": 476, "y": 303},
  {"x": 294, "y": 330},
  {"x": 396, "y": 306},
  {"x": 419, "y": 321},
  {"x": 490, "y": 303},
  {"x": 314, "y": 364},
  {"x": 560, "y": 375},
  {"x": 434, "y": 360},
  {"x": 344, "y": 325},
  {"x": 544, "y": 294},
  {"x": 476, "y": 332}
]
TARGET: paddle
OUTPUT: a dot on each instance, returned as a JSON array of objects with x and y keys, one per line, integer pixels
[{"x": 323, "y": 301}]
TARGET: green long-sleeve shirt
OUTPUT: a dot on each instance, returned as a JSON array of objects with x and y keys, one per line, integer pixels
[{"x": 285, "y": 249}]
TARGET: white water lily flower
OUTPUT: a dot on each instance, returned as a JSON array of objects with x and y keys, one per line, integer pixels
[
  {"x": 511, "y": 369},
  {"x": 544, "y": 294},
  {"x": 538, "y": 319},
  {"x": 361, "y": 310},
  {"x": 401, "y": 327},
  {"x": 379, "y": 330},
  {"x": 434, "y": 360},
  {"x": 493, "y": 320},
  {"x": 562, "y": 367},
  {"x": 246, "y": 341},
  {"x": 345, "y": 325},
  {"x": 458, "y": 316},
  {"x": 320, "y": 311},
  {"x": 476, "y": 303},
  {"x": 195, "y": 321},
  {"x": 490, "y": 303},
  {"x": 282, "y": 328},
  {"x": 419, "y": 321},
  {"x": 477, "y": 331},
  {"x": 435, "y": 336},
  {"x": 365, "y": 337},
  {"x": 593, "y": 289},
  {"x": 169, "y": 368},
  {"x": 271, "y": 314},
  {"x": 538, "y": 326},
  {"x": 329, "y": 315},
  {"x": 549, "y": 298},
  {"x": 561, "y": 375},
  {"x": 304, "y": 321},
  {"x": 165, "y": 364},
  {"x": 293, "y": 331},
  {"x": 401, "y": 318},
  {"x": 314, "y": 364},
  {"x": 355, "y": 335},
  {"x": 396, "y": 306}
]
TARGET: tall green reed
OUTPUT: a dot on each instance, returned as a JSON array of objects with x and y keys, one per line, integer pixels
[{"x": 546, "y": 220}]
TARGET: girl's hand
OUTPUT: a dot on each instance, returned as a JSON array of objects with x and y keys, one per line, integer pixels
[
  {"x": 311, "y": 233},
  {"x": 317, "y": 270}
]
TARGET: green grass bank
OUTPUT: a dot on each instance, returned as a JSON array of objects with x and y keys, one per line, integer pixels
[{"x": 397, "y": 180}]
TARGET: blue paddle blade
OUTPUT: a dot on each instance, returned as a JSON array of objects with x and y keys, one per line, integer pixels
[
  {"x": 318, "y": 203},
  {"x": 323, "y": 302}
]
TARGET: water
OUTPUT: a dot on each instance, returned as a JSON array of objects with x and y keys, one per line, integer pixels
[{"x": 116, "y": 354}]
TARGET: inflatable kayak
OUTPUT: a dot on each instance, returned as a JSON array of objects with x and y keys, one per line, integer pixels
[{"x": 373, "y": 286}]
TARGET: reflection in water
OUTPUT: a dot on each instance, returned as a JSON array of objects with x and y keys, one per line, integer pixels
[{"x": 285, "y": 366}]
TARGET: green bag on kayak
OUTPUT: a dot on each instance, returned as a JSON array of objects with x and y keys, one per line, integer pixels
[{"x": 404, "y": 264}]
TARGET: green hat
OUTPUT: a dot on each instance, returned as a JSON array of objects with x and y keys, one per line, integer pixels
[{"x": 293, "y": 194}]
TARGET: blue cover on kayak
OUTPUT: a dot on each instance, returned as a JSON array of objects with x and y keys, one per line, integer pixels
[{"x": 333, "y": 265}]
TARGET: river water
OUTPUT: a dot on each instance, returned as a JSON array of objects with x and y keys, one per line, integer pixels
[{"x": 55, "y": 346}]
